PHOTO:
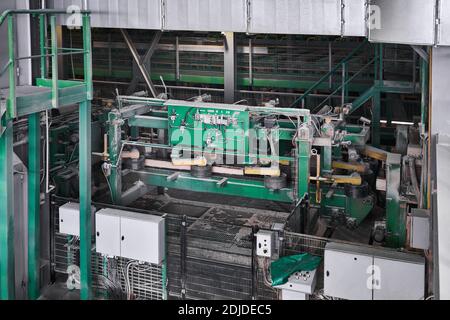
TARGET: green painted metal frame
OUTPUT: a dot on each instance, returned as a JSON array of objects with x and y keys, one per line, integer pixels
[
  {"x": 395, "y": 206},
  {"x": 34, "y": 204},
  {"x": 60, "y": 93},
  {"x": 233, "y": 187},
  {"x": 114, "y": 146},
  {"x": 7, "y": 283},
  {"x": 340, "y": 65}
]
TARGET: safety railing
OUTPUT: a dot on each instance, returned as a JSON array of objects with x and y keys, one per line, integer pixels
[
  {"x": 343, "y": 68},
  {"x": 52, "y": 52}
]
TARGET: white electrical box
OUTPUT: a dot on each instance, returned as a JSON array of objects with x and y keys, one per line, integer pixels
[
  {"x": 299, "y": 285},
  {"x": 346, "y": 272},
  {"x": 107, "y": 236},
  {"x": 366, "y": 273},
  {"x": 69, "y": 219},
  {"x": 264, "y": 243},
  {"x": 130, "y": 235},
  {"x": 143, "y": 237},
  {"x": 401, "y": 277}
]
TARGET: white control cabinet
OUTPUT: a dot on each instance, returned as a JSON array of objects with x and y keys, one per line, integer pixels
[
  {"x": 107, "y": 236},
  {"x": 130, "y": 235},
  {"x": 346, "y": 273},
  {"x": 69, "y": 218},
  {"x": 366, "y": 273}
]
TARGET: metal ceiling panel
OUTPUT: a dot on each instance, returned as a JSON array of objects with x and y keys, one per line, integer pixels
[
  {"x": 205, "y": 15},
  {"x": 296, "y": 17},
  {"x": 444, "y": 27},
  {"x": 405, "y": 21},
  {"x": 129, "y": 14},
  {"x": 355, "y": 18}
]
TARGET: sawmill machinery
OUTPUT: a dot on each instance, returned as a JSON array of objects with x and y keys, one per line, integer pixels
[{"x": 311, "y": 161}]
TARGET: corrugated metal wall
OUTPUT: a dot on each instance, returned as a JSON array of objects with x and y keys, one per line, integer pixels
[{"x": 324, "y": 17}]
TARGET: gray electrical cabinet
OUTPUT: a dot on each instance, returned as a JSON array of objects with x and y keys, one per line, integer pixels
[
  {"x": 364, "y": 273},
  {"x": 420, "y": 229},
  {"x": 130, "y": 235},
  {"x": 345, "y": 273}
]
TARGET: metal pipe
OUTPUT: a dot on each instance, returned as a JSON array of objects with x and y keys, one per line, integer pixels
[{"x": 177, "y": 58}]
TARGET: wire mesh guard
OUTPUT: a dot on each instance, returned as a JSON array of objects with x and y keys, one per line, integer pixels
[
  {"x": 113, "y": 278},
  {"x": 205, "y": 260}
]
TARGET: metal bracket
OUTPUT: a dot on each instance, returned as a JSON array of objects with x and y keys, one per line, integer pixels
[
  {"x": 437, "y": 22},
  {"x": 367, "y": 16},
  {"x": 163, "y": 8},
  {"x": 421, "y": 52},
  {"x": 174, "y": 176},
  {"x": 248, "y": 14},
  {"x": 342, "y": 18},
  {"x": 2, "y": 116},
  {"x": 222, "y": 182}
]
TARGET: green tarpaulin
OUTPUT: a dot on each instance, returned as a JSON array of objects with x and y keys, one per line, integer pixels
[{"x": 282, "y": 269}]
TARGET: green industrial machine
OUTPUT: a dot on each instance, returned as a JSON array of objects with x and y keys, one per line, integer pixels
[{"x": 311, "y": 161}]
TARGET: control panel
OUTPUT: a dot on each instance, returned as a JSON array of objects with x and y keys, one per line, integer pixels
[
  {"x": 264, "y": 243},
  {"x": 299, "y": 286}
]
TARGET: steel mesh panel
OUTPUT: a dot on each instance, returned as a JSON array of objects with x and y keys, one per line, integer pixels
[
  {"x": 295, "y": 243},
  {"x": 145, "y": 280}
]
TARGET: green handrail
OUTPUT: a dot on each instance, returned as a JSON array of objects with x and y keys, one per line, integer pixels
[
  {"x": 11, "y": 65},
  {"x": 330, "y": 73},
  {"x": 345, "y": 83}
]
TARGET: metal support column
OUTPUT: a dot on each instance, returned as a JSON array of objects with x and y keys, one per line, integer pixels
[
  {"x": 85, "y": 200},
  {"x": 7, "y": 275},
  {"x": 7, "y": 290},
  {"x": 85, "y": 110},
  {"x": 230, "y": 67},
  {"x": 34, "y": 204},
  {"x": 54, "y": 54},
  {"x": 395, "y": 207},
  {"x": 303, "y": 162},
  {"x": 376, "y": 116}
]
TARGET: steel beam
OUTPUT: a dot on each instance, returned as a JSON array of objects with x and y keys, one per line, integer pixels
[
  {"x": 234, "y": 187},
  {"x": 376, "y": 116},
  {"x": 34, "y": 204},
  {"x": 85, "y": 199},
  {"x": 139, "y": 62},
  {"x": 54, "y": 60}
]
